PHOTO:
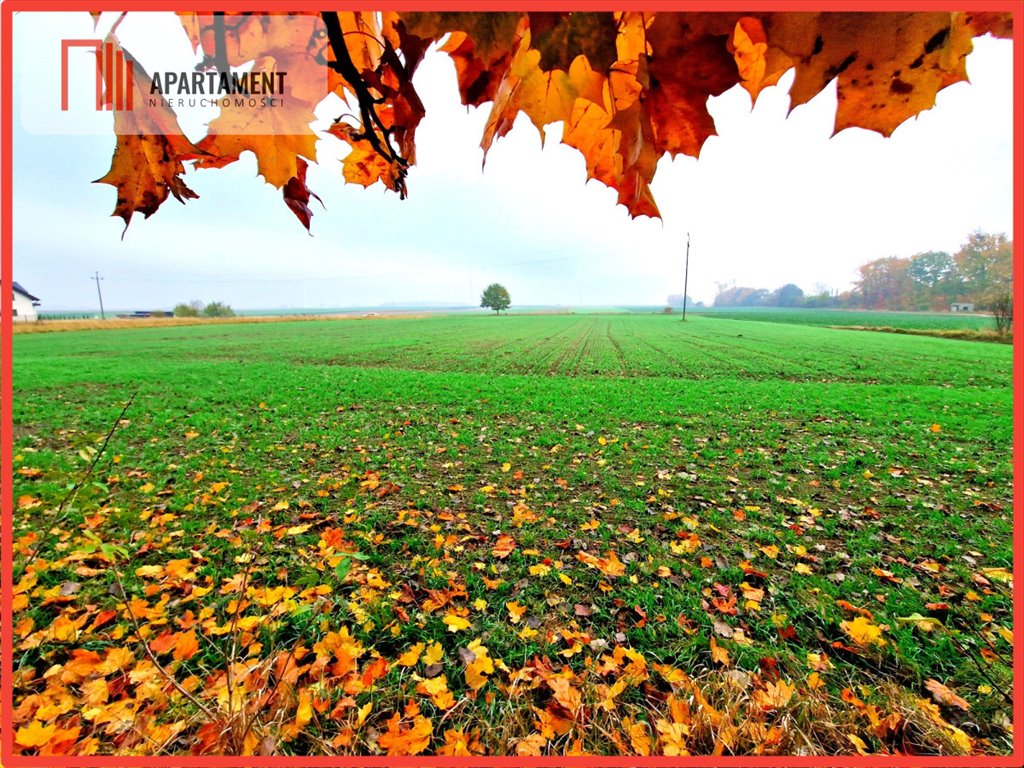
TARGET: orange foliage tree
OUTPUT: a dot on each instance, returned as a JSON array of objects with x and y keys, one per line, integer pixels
[{"x": 626, "y": 87}]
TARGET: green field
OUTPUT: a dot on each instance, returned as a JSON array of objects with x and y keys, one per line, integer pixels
[
  {"x": 609, "y": 534},
  {"x": 930, "y": 321}
]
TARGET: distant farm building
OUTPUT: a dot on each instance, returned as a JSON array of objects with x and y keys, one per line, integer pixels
[
  {"x": 24, "y": 306},
  {"x": 142, "y": 314},
  {"x": 961, "y": 307}
]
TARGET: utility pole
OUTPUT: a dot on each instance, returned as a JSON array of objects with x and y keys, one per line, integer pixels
[
  {"x": 97, "y": 278},
  {"x": 686, "y": 274}
]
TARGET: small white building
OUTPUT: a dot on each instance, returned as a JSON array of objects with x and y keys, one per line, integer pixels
[
  {"x": 24, "y": 306},
  {"x": 961, "y": 307}
]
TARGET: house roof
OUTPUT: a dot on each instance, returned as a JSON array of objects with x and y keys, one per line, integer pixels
[{"x": 25, "y": 293}]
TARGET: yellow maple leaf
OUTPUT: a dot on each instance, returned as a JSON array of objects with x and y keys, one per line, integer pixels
[
  {"x": 459, "y": 743},
  {"x": 455, "y": 623},
  {"x": 304, "y": 711},
  {"x": 719, "y": 654},
  {"x": 410, "y": 657},
  {"x": 35, "y": 734},
  {"x": 437, "y": 689},
  {"x": 516, "y": 611},
  {"x": 434, "y": 654},
  {"x": 481, "y": 666},
  {"x": 863, "y": 632},
  {"x": 672, "y": 737},
  {"x": 639, "y": 736}
]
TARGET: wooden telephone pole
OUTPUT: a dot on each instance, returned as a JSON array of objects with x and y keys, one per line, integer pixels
[{"x": 686, "y": 274}]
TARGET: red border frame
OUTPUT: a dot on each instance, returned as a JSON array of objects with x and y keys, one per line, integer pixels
[{"x": 7, "y": 758}]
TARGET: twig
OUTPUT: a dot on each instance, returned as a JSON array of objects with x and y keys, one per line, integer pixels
[
  {"x": 968, "y": 654},
  {"x": 371, "y": 122},
  {"x": 149, "y": 653},
  {"x": 71, "y": 494},
  {"x": 220, "y": 43}
]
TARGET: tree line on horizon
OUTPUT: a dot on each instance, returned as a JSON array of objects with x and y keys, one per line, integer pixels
[{"x": 980, "y": 273}]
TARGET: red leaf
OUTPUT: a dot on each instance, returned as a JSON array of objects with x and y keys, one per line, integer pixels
[{"x": 297, "y": 194}]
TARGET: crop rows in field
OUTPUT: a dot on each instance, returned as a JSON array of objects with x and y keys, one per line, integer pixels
[{"x": 578, "y": 346}]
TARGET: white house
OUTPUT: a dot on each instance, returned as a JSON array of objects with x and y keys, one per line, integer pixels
[
  {"x": 961, "y": 307},
  {"x": 24, "y": 306}
]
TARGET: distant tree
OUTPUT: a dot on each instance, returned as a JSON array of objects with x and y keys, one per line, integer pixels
[
  {"x": 789, "y": 295},
  {"x": 495, "y": 296},
  {"x": 193, "y": 309},
  {"x": 985, "y": 267},
  {"x": 676, "y": 300},
  {"x": 884, "y": 284},
  {"x": 937, "y": 281},
  {"x": 740, "y": 296},
  {"x": 218, "y": 309},
  {"x": 1002, "y": 310}
]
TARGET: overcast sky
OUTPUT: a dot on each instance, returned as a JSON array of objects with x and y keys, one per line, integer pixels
[{"x": 771, "y": 200}]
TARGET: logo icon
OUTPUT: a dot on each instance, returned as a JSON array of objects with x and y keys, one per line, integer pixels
[{"x": 114, "y": 75}]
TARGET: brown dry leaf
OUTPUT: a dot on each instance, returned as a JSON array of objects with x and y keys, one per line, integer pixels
[
  {"x": 504, "y": 546},
  {"x": 148, "y": 160},
  {"x": 719, "y": 654},
  {"x": 944, "y": 695},
  {"x": 296, "y": 195},
  {"x": 775, "y": 695},
  {"x": 532, "y": 746}
]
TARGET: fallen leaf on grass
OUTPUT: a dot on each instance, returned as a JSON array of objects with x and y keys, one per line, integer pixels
[
  {"x": 515, "y": 611},
  {"x": 503, "y": 547},
  {"x": 863, "y": 632},
  {"x": 406, "y": 741},
  {"x": 410, "y": 657},
  {"x": 719, "y": 654},
  {"x": 775, "y": 695},
  {"x": 455, "y": 623},
  {"x": 943, "y": 695}
]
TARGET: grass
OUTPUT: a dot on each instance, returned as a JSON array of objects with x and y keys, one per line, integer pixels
[
  {"x": 867, "y": 318},
  {"x": 762, "y": 485}
]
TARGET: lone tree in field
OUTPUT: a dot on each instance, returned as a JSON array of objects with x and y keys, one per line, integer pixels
[{"x": 496, "y": 297}]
